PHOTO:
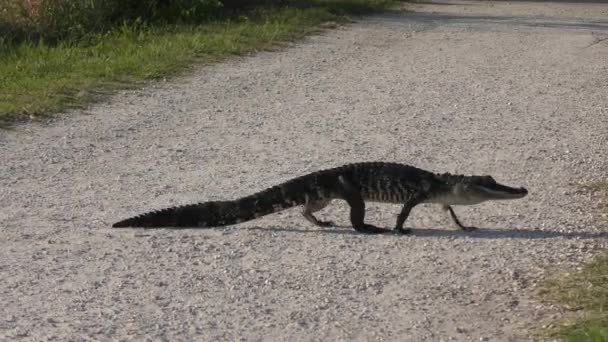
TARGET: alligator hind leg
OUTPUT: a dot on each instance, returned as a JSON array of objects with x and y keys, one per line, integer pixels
[
  {"x": 357, "y": 208},
  {"x": 456, "y": 221},
  {"x": 312, "y": 207}
]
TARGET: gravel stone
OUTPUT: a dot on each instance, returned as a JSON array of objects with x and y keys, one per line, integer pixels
[{"x": 515, "y": 89}]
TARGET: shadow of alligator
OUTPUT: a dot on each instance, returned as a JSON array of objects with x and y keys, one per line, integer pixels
[{"x": 482, "y": 233}]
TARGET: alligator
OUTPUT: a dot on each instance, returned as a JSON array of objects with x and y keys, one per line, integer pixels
[{"x": 355, "y": 183}]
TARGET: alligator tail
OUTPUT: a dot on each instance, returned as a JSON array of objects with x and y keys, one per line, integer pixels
[{"x": 217, "y": 213}]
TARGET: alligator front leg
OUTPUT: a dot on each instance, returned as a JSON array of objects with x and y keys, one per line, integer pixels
[
  {"x": 405, "y": 212},
  {"x": 456, "y": 221},
  {"x": 352, "y": 196}
]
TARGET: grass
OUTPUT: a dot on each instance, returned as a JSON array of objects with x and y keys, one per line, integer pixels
[
  {"x": 585, "y": 289},
  {"x": 37, "y": 79}
]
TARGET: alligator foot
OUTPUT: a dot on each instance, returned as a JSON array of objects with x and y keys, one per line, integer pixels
[
  {"x": 403, "y": 231},
  {"x": 371, "y": 229}
]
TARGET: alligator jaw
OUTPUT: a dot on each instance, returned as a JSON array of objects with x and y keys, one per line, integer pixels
[
  {"x": 500, "y": 192},
  {"x": 475, "y": 189}
]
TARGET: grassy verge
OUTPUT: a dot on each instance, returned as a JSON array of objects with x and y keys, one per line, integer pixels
[
  {"x": 586, "y": 289},
  {"x": 37, "y": 79}
]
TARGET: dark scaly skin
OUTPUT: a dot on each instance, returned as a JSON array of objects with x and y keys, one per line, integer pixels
[{"x": 354, "y": 183}]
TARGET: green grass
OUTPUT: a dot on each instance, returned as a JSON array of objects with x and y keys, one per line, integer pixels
[
  {"x": 587, "y": 290},
  {"x": 38, "y": 79}
]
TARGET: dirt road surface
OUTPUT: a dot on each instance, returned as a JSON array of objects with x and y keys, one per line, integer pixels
[{"x": 517, "y": 89}]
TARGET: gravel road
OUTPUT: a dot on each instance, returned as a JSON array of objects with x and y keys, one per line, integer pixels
[{"x": 518, "y": 90}]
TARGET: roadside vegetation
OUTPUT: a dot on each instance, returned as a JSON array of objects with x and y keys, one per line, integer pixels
[
  {"x": 59, "y": 54},
  {"x": 585, "y": 289}
]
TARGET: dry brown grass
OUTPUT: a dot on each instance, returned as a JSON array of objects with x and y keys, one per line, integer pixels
[{"x": 17, "y": 17}]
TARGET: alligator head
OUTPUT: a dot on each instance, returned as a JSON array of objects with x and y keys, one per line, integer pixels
[{"x": 466, "y": 190}]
